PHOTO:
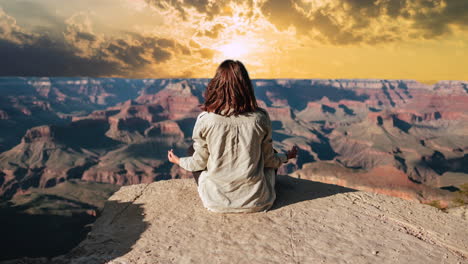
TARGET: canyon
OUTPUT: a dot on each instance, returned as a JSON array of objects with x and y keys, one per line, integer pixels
[
  {"x": 395, "y": 137},
  {"x": 399, "y": 134}
]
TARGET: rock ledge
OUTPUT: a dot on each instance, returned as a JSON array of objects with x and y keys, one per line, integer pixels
[{"x": 311, "y": 222}]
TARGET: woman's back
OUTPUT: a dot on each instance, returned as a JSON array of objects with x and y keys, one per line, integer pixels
[
  {"x": 233, "y": 146},
  {"x": 237, "y": 159}
]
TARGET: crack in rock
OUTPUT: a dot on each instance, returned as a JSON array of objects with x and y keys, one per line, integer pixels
[{"x": 131, "y": 202}]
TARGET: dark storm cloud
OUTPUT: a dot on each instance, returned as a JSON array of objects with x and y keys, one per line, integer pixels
[
  {"x": 161, "y": 55},
  {"x": 78, "y": 52},
  {"x": 132, "y": 51},
  {"x": 46, "y": 57},
  {"x": 435, "y": 23},
  {"x": 127, "y": 52},
  {"x": 163, "y": 43},
  {"x": 430, "y": 18},
  {"x": 173, "y": 45},
  {"x": 86, "y": 36},
  {"x": 163, "y": 48}
]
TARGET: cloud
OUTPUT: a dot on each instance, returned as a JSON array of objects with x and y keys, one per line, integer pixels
[
  {"x": 435, "y": 17},
  {"x": 161, "y": 55},
  {"x": 162, "y": 48},
  {"x": 33, "y": 13},
  {"x": 10, "y": 31},
  {"x": 367, "y": 21},
  {"x": 80, "y": 51},
  {"x": 337, "y": 22},
  {"x": 46, "y": 57},
  {"x": 214, "y": 31},
  {"x": 79, "y": 34},
  {"x": 207, "y": 53},
  {"x": 209, "y": 9},
  {"x": 164, "y": 38}
]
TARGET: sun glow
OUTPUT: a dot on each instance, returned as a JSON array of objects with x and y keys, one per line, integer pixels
[{"x": 234, "y": 50}]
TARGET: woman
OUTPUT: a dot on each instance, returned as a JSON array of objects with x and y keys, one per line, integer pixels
[{"x": 233, "y": 146}]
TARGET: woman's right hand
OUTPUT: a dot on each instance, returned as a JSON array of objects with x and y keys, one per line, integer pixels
[
  {"x": 172, "y": 157},
  {"x": 291, "y": 154}
]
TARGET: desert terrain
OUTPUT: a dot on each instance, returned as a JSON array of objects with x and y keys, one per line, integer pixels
[{"x": 394, "y": 137}]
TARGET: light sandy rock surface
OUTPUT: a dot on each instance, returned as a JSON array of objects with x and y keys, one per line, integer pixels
[
  {"x": 461, "y": 211},
  {"x": 311, "y": 222}
]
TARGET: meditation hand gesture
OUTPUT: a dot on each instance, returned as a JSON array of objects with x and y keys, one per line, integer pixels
[
  {"x": 172, "y": 157},
  {"x": 292, "y": 153}
]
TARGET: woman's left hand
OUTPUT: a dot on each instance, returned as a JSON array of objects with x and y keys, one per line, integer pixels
[{"x": 172, "y": 157}]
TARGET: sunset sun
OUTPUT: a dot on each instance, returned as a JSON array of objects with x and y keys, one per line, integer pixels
[{"x": 234, "y": 49}]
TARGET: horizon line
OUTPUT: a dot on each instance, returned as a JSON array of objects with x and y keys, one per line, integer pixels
[{"x": 427, "y": 82}]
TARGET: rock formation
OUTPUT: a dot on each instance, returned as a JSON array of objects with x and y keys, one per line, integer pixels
[
  {"x": 310, "y": 222},
  {"x": 120, "y": 130}
]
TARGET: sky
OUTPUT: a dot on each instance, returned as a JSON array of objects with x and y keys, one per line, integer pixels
[{"x": 425, "y": 40}]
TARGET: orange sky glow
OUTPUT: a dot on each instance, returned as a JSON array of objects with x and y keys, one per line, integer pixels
[{"x": 426, "y": 40}]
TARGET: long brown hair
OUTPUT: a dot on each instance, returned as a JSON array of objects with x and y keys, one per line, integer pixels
[{"x": 231, "y": 90}]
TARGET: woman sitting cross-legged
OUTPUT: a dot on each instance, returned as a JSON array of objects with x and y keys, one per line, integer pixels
[{"x": 233, "y": 148}]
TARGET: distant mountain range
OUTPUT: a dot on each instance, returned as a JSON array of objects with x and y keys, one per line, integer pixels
[{"x": 399, "y": 137}]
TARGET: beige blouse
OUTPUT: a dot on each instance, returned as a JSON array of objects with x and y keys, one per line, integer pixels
[{"x": 236, "y": 157}]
